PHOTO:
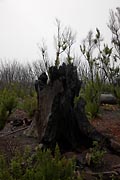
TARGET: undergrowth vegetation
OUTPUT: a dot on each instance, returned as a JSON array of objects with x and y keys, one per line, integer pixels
[
  {"x": 29, "y": 104},
  {"x": 91, "y": 94},
  {"x": 8, "y": 102},
  {"x": 40, "y": 165},
  {"x": 96, "y": 155}
]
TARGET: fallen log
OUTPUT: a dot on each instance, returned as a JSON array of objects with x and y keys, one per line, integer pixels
[
  {"x": 13, "y": 132},
  {"x": 105, "y": 175},
  {"x": 108, "y": 99}
]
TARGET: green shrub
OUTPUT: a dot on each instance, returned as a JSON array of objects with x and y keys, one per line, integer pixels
[
  {"x": 8, "y": 100},
  {"x": 29, "y": 104},
  {"x": 117, "y": 93},
  {"x": 53, "y": 168},
  {"x": 3, "y": 116},
  {"x": 91, "y": 94},
  {"x": 41, "y": 165},
  {"x": 96, "y": 155},
  {"x": 21, "y": 90},
  {"x": 107, "y": 88},
  {"x": 92, "y": 109},
  {"x": 4, "y": 172}
]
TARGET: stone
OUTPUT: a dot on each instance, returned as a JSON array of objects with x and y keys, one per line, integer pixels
[{"x": 108, "y": 99}]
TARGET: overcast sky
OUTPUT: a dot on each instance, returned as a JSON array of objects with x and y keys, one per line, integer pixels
[{"x": 24, "y": 23}]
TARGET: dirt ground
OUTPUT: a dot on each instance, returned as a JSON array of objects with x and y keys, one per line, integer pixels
[
  {"x": 12, "y": 138},
  {"x": 107, "y": 122}
]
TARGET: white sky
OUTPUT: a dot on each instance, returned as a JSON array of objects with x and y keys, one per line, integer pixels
[{"x": 24, "y": 23}]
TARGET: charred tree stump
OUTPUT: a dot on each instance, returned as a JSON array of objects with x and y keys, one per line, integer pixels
[{"x": 58, "y": 119}]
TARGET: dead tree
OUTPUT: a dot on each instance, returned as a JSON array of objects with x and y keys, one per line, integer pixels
[{"x": 60, "y": 120}]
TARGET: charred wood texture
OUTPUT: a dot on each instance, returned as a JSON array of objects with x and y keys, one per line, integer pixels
[{"x": 58, "y": 119}]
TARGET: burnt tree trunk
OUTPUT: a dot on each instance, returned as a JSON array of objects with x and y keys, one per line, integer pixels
[{"x": 58, "y": 119}]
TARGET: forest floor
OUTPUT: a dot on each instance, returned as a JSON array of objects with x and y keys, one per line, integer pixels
[{"x": 107, "y": 122}]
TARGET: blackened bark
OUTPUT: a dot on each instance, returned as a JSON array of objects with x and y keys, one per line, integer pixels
[{"x": 58, "y": 119}]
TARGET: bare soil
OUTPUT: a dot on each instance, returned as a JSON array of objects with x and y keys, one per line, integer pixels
[{"x": 108, "y": 121}]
